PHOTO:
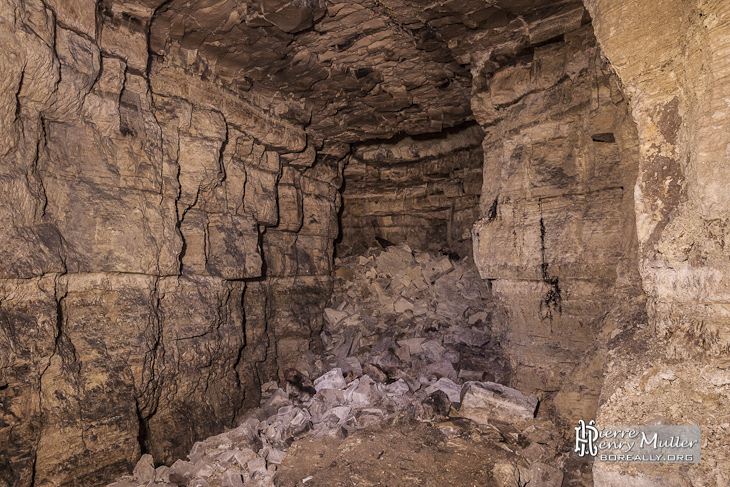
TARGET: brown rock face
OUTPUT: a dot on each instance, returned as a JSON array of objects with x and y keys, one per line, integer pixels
[
  {"x": 149, "y": 222},
  {"x": 416, "y": 190},
  {"x": 672, "y": 59},
  {"x": 556, "y": 237},
  {"x": 170, "y": 199}
]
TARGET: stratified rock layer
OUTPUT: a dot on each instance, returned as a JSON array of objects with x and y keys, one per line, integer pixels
[
  {"x": 166, "y": 246},
  {"x": 672, "y": 59},
  {"x": 421, "y": 191},
  {"x": 556, "y": 237}
]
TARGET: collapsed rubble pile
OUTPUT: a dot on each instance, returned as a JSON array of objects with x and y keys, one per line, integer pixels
[
  {"x": 416, "y": 316},
  {"x": 405, "y": 336}
]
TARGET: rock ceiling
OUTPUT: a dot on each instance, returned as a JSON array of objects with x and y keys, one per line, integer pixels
[{"x": 356, "y": 69}]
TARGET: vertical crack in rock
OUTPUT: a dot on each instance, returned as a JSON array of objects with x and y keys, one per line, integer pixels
[
  {"x": 492, "y": 212},
  {"x": 552, "y": 302},
  {"x": 19, "y": 88}
]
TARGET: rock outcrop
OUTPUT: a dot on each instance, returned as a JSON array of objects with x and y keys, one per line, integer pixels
[
  {"x": 556, "y": 237},
  {"x": 671, "y": 58}
]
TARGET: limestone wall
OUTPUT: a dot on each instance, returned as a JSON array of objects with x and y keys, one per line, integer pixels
[
  {"x": 672, "y": 58},
  {"x": 556, "y": 236},
  {"x": 423, "y": 191},
  {"x": 166, "y": 245}
]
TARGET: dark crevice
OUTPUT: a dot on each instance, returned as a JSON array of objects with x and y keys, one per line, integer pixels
[
  {"x": 552, "y": 301},
  {"x": 17, "y": 95},
  {"x": 604, "y": 137},
  {"x": 144, "y": 431},
  {"x": 492, "y": 212}
]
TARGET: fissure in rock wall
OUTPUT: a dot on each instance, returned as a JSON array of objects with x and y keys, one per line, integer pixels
[
  {"x": 166, "y": 245},
  {"x": 169, "y": 182}
]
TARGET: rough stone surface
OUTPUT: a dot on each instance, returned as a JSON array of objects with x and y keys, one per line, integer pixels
[
  {"x": 444, "y": 335},
  {"x": 556, "y": 238},
  {"x": 672, "y": 60},
  {"x": 485, "y": 401},
  {"x": 169, "y": 204},
  {"x": 423, "y": 192},
  {"x": 334, "y": 401},
  {"x": 152, "y": 273}
]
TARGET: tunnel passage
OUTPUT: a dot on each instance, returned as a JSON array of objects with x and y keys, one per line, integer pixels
[
  {"x": 422, "y": 190},
  {"x": 180, "y": 172}
]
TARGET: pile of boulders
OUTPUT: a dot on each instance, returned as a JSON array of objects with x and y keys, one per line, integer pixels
[
  {"x": 250, "y": 454},
  {"x": 405, "y": 334},
  {"x": 416, "y": 316}
]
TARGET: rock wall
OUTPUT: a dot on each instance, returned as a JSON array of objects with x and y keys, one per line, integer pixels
[
  {"x": 166, "y": 245},
  {"x": 672, "y": 59},
  {"x": 556, "y": 238},
  {"x": 421, "y": 190}
]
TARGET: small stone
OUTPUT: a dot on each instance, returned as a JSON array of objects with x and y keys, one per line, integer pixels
[
  {"x": 476, "y": 317},
  {"x": 243, "y": 456},
  {"x": 433, "y": 350},
  {"x": 374, "y": 372},
  {"x": 232, "y": 479},
  {"x": 334, "y": 316},
  {"x": 397, "y": 388},
  {"x": 275, "y": 456},
  {"x": 403, "y": 305},
  {"x": 470, "y": 375},
  {"x": 276, "y": 401},
  {"x": 449, "y": 387},
  {"x": 350, "y": 364},
  {"x": 413, "y": 344},
  {"x": 482, "y": 401},
  {"x": 404, "y": 353},
  {"x": 256, "y": 466},
  {"x": 204, "y": 469},
  {"x": 434, "y": 271},
  {"x": 344, "y": 273},
  {"x": 439, "y": 403},
  {"x": 162, "y": 473},
  {"x": 144, "y": 471},
  {"x": 442, "y": 368},
  {"x": 181, "y": 472},
  {"x": 358, "y": 394},
  {"x": 331, "y": 380}
]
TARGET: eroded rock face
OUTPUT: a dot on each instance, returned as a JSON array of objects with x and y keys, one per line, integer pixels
[
  {"x": 149, "y": 219},
  {"x": 672, "y": 60},
  {"x": 362, "y": 70},
  {"x": 556, "y": 237}
]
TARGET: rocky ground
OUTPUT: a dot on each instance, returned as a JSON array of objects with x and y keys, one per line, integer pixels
[{"x": 408, "y": 391}]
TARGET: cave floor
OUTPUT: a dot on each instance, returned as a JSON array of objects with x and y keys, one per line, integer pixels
[{"x": 453, "y": 452}]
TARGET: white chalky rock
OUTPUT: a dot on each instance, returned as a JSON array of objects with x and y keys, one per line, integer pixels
[
  {"x": 331, "y": 380},
  {"x": 452, "y": 389},
  {"x": 482, "y": 401}
]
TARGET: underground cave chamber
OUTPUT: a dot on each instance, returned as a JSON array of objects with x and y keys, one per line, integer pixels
[{"x": 285, "y": 243}]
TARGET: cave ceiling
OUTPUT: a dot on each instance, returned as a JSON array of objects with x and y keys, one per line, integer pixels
[{"x": 357, "y": 69}]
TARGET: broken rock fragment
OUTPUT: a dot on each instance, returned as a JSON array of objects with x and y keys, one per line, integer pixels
[
  {"x": 485, "y": 401},
  {"x": 449, "y": 387},
  {"x": 331, "y": 380}
]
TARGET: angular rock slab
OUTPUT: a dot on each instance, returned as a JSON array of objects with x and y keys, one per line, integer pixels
[{"x": 485, "y": 401}]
